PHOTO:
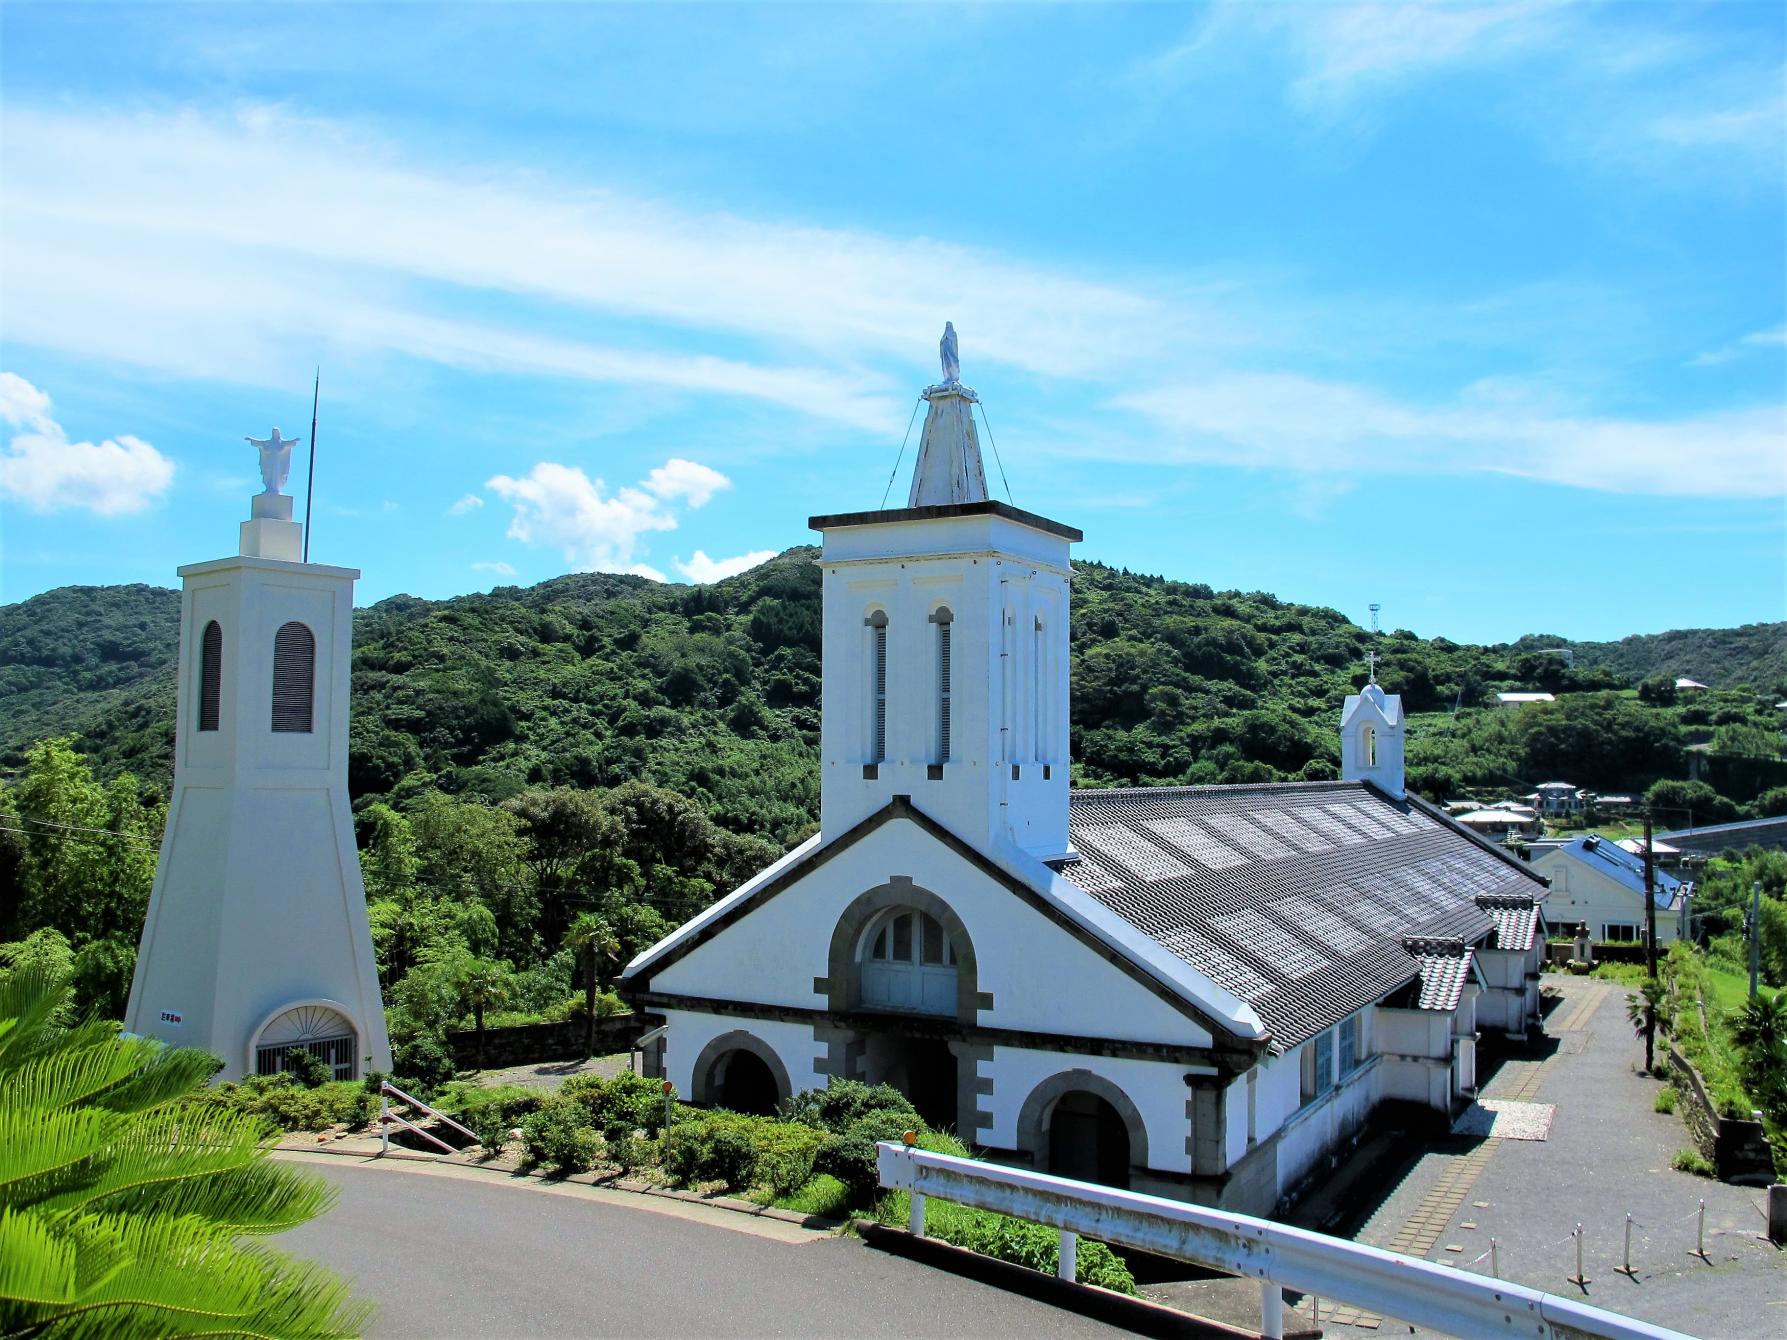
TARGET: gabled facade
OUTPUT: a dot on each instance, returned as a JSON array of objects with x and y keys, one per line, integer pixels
[
  {"x": 1198, "y": 992},
  {"x": 1600, "y": 884}
]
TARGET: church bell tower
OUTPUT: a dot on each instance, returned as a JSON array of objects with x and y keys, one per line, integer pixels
[
  {"x": 256, "y": 942},
  {"x": 946, "y": 649},
  {"x": 1371, "y": 737}
]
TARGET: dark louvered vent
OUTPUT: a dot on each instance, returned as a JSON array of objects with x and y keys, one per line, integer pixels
[
  {"x": 943, "y": 692},
  {"x": 210, "y": 675},
  {"x": 294, "y": 678}
]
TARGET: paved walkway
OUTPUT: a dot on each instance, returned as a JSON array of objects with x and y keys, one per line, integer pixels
[
  {"x": 455, "y": 1252},
  {"x": 1607, "y": 1156}
]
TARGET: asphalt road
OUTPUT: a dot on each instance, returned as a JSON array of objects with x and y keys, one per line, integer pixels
[{"x": 450, "y": 1255}]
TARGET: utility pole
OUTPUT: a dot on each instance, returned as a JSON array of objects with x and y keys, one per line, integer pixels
[
  {"x": 1755, "y": 920},
  {"x": 1650, "y": 898}
]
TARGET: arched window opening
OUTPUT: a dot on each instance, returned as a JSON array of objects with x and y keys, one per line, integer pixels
[
  {"x": 294, "y": 679},
  {"x": 210, "y": 675},
  {"x": 877, "y": 623},
  {"x": 945, "y": 621},
  {"x": 317, "y": 1029},
  {"x": 1368, "y": 746},
  {"x": 909, "y": 963}
]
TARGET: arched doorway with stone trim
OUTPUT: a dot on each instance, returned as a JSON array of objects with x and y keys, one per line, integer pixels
[
  {"x": 741, "y": 1072},
  {"x": 321, "y": 1027},
  {"x": 1079, "y": 1124},
  {"x": 902, "y": 968}
]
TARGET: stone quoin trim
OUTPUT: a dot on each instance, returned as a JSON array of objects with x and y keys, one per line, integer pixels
[
  {"x": 708, "y": 1075},
  {"x": 1033, "y": 1130}
]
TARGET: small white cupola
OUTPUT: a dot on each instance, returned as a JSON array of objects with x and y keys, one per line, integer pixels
[
  {"x": 946, "y": 649},
  {"x": 1371, "y": 737}
]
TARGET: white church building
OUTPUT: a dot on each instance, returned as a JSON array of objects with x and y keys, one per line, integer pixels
[{"x": 1199, "y": 992}]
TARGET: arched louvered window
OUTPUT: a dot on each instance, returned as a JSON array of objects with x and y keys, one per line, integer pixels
[
  {"x": 944, "y": 620},
  {"x": 294, "y": 678},
  {"x": 877, "y": 623},
  {"x": 210, "y": 675}
]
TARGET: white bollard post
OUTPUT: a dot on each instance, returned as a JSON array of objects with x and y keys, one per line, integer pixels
[
  {"x": 1271, "y": 1310},
  {"x": 384, "y": 1124},
  {"x": 1626, "y": 1260},
  {"x": 1579, "y": 1279},
  {"x": 916, "y": 1223},
  {"x": 1495, "y": 1258},
  {"x": 1700, "y": 1233},
  {"x": 1067, "y": 1267}
]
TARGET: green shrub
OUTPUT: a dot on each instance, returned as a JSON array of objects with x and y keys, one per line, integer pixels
[
  {"x": 851, "y": 1157},
  {"x": 1692, "y": 1161},
  {"x": 843, "y": 1102},
  {"x": 629, "y": 1098},
  {"x": 558, "y": 1136},
  {"x": 742, "y": 1151},
  {"x": 731, "y": 1157},
  {"x": 625, "y": 1149},
  {"x": 1665, "y": 1099},
  {"x": 308, "y": 1068},
  {"x": 282, "y": 1100},
  {"x": 1014, "y": 1240}
]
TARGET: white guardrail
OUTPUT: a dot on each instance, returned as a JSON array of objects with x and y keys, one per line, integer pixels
[
  {"x": 1280, "y": 1257},
  {"x": 387, "y": 1119}
]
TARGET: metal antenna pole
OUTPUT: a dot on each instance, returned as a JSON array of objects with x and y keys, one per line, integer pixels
[{"x": 310, "y": 475}]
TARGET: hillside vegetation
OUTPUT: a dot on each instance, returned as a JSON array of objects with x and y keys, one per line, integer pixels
[{"x": 591, "y": 680}]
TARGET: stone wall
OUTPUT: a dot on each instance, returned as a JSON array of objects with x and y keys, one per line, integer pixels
[
  {"x": 528, "y": 1044},
  {"x": 1738, "y": 1149}
]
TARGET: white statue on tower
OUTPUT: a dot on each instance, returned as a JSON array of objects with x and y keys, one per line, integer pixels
[
  {"x": 946, "y": 348},
  {"x": 276, "y": 458}
]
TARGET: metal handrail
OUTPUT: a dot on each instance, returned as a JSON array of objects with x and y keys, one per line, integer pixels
[
  {"x": 387, "y": 1118},
  {"x": 1279, "y": 1256}
]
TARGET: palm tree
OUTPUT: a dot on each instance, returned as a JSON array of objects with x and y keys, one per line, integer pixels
[
  {"x": 1642, "y": 1010},
  {"x": 593, "y": 940},
  {"x": 1760, "y": 1029},
  {"x": 122, "y": 1207},
  {"x": 486, "y": 985}
]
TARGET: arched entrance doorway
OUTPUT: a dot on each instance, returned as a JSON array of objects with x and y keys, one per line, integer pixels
[
  {"x": 742, "y": 1081},
  {"x": 1088, "y": 1140},
  {"x": 317, "y": 1028}
]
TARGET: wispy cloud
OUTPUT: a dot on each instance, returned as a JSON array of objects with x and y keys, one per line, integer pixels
[
  {"x": 560, "y": 507},
  {"x": 46, "y": 472},
  {"x": 1774, "y": 337},
  {"x": 700, "y": 568},
  {"x": 498, "y": 568},
  {"x": 1311, "y": 426},
  {"x": 469, "y": 502}
]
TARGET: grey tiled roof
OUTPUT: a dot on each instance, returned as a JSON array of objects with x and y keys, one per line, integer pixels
[
  {"x": 1445, "y": 967},
  {"x": 1295, "y": 897},
  {"x": 1516, "y": 919}
]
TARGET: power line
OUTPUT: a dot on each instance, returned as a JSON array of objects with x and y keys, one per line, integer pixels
[
  {"x": 902, "y": 456},
  {"x": 78, "y": 828}
]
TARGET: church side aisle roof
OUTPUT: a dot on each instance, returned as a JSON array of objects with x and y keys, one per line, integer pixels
[{"x": 1295, "y": 897}]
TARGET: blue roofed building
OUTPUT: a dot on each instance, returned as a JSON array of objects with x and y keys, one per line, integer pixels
[{"x": 1598, "y": 883}]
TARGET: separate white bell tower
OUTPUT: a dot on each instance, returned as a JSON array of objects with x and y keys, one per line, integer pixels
[
  {"x": 1371, "y": 737},
  {"x": 946, "y": 650},
  {"x": 256, "y": 942}
]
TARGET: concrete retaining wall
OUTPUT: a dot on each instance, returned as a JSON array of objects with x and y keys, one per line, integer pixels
[
  {"x": 526, "y": 1044},
  {"x": 1738, "y": 1149}
]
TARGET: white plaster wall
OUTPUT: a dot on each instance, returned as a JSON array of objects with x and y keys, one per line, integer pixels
[
  {"x": 1041, "y": 978},
  {"x": 1279, "y": 1091},
  {"x": 1581, "y": 893},
  {"x": 258, "y": 904},
  {"x": 1416, "y": 1047},
  {"x": 1309, "y": 1133},
  {"x": 690, "y": 1031},
  {"x": 1009, "y": 692},
  {"x": 1156, "y": 1088}
]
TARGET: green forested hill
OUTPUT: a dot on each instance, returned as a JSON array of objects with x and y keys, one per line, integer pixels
[
  {"x": 1755, "y": 654},
  {"x": 591, "y": 680}
]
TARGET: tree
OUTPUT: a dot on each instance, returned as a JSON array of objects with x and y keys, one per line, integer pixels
[
  {"x": 123, "y": 1208},
  {"x": 1642, "y": 1010},
  {"x": 388, "y": 858},
  {"x": 1689, "y": 804},
  {"x": 593, "y": 940},
  {"x": 486, "y": 986}
]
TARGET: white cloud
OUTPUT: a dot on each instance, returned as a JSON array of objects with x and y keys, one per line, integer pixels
[
  {"x": 44, "y": 470},
  {"x": 701, "y": 569},
  {"x": 1308, "y": 425},
  {"x": 1756, "y": 339},
  {"x": 561, "y": 507},
  {"x": 470, "y": 502},
  {"x": 677, "y": 478},
  {"x": 499, "y": 568}
]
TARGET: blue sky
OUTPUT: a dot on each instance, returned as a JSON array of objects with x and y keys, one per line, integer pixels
[{"x": 1479, "y": 311}]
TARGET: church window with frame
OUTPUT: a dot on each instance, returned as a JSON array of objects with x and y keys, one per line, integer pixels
[
  {"x": 1317, "y": 1067},
  {"x": 294, "y": 679},
  {"x": 909, "y": 964},
  {"x": 1349, "y": 1060},
  {"x": 210, "y": 675},
  {"x": 1368, "y": 746},
  {"x": 877, "y": 625},
  {"x": 945, "y": 621}
]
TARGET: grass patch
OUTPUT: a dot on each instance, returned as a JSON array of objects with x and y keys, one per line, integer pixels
[
  {"x": 1008, "y": 1239},
  {"x": 822, "y": 1194},
  {"x": 1732, "y": 989},
  {"x": 1665, "y": 1099},
  {"x": 1692, "y": 1161}
]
